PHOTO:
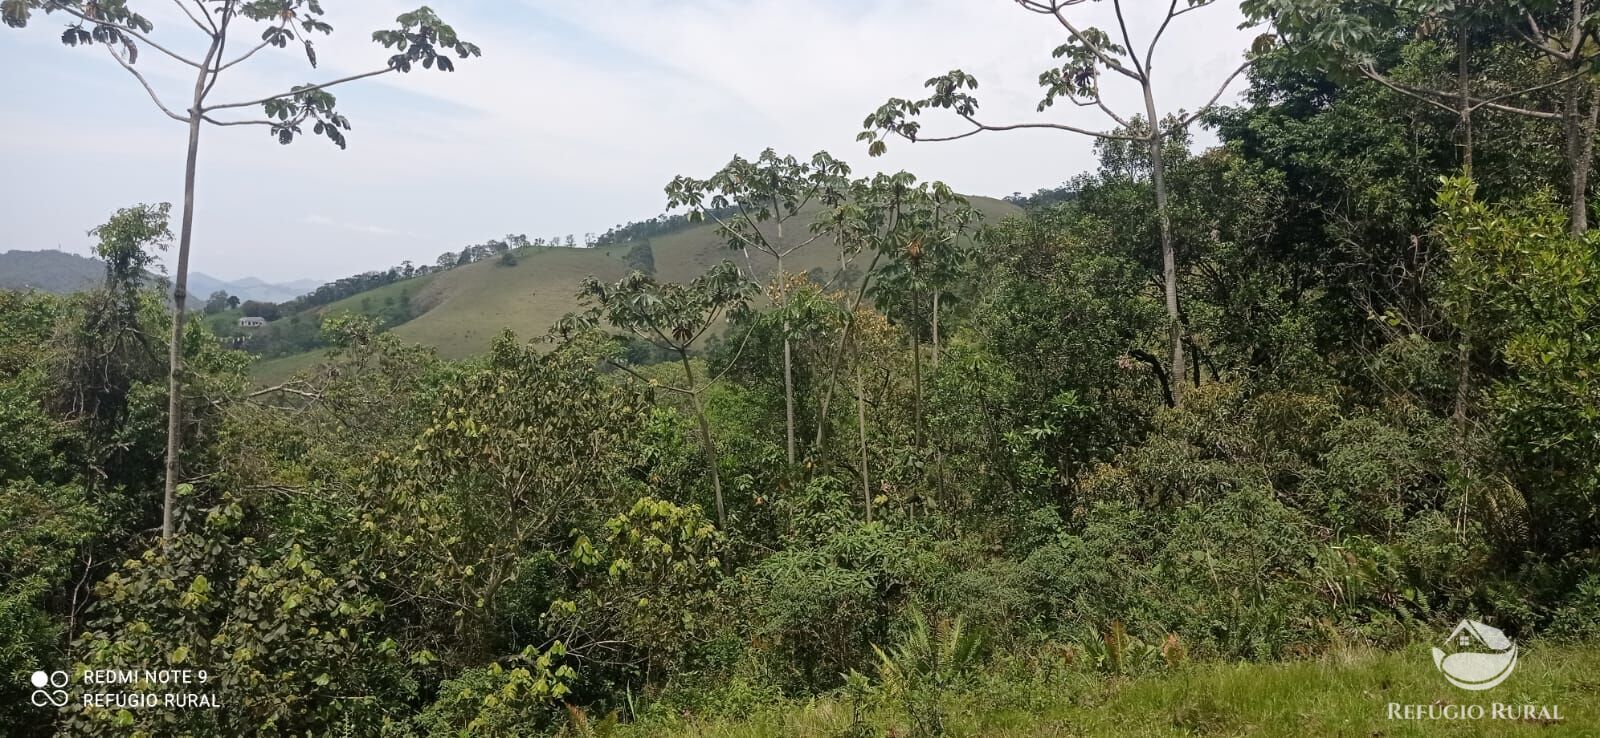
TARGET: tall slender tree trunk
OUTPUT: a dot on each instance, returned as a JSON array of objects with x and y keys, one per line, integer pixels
[
  {"x": 788, "y": 390},
  {"x": 861, "y": 429},
  {"x": 1464, "y": 349},
  {"x": 180, "y": 300},
  {"x": 1582, "y": 126},
  {"x": 916, "y": 371},
  {"x": 1169, "y": 257},
  {"x": 706, "y": 444},
  {"x": 938, "y": 449},
  {"x": 838, "y": 356},
  {"x": 1464, "y": 84},
  {"x": 788, "y": 365}
]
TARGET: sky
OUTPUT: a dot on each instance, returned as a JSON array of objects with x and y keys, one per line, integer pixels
[{"x": 576, "y": 116}]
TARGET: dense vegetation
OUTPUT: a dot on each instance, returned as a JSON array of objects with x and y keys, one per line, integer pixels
[{"x": 966, "y": 473}]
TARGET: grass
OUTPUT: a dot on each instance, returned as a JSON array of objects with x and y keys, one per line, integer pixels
[
  {"x": 270, "y": 372},
  {"x": 465, "y": 308},
  {"x": 1343, "y": 694}
]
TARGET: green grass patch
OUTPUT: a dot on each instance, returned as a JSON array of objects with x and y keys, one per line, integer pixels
[{"x": 1342, "y": 694}]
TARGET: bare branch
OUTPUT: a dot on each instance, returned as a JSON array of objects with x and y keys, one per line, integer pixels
[
  {"x": 1429, "y": 96},
  {"x": 214, "y": 57},
  {"x": 292, "y": 93},
  {"x": 1107, "y": 110},
  {"x": 642, "y": 378},
  {"x": 1172, "y": 12},
  {"x": 813, "y": 239},
  {"x": 193, "y": 18},
  {"x": 215, "y": 122},
  {"x": 286, "y": 389},
  {"x": 981, "y": 127},
  {"x": 146, "y": 84},
  {"x": 1528, "y": 90},
  {"x": 1547, "y": 49},
  {"x": 206, "y": 13},
  {"x": 1214, "y": 98},
  {"x": 1054, "y": 10},
  {"x": 253, "y": 50},
  {"x": 1127, "y": 40},
  {"x": 735, "y": 360},
  {"x": 740, "y": 236}
]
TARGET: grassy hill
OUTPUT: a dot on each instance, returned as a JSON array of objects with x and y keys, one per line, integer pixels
[
  {"x": 463, "y": 309},
  {"x": 49, "y": 271}
]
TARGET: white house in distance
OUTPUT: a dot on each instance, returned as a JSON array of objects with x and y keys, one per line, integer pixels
[{"x": 252, "y": 322}]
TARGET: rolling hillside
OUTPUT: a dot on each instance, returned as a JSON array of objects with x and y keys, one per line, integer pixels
[{"x": 466, "y": 307}]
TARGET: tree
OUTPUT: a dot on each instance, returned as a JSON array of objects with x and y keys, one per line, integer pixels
[
  {"x": 217, "y": 302},
  {"x": 1522, "y": 288},
  {"x": 265, "y": 310},
  {"x": 1352, "y": 34},
  {"x": 419, "y": 38},
  {"x": 1088, "y": 53},
  {"x": 923, "y": 251},
  {"x": 642, "y": 257},
  {"x": 233, "y": 302},
  {"x": 673, "y": 317},
  {"x": 112, "y": 350},
  {"x": 892, "y": 216},
  {"x": 768, "y": 192}
]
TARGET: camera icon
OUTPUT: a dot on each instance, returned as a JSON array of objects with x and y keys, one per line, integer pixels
[{"x": 55, "y": 695}]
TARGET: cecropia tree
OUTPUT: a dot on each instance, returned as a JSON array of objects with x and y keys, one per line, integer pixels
[
  {"x": 245, "y": 28},
  {"x": 1086, "y": 57},
  {"x": 759, "y": 199}
]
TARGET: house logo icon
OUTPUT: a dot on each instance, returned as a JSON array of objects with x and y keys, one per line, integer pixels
[{"x": 1480, "y": 656}]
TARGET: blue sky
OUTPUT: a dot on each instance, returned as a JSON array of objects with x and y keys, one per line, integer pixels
[{"x": 575, "y": 118}]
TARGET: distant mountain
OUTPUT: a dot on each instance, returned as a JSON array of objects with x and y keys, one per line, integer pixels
[
  {"x": 201, "y": 285},
  {"x": 62, "y": 273},
  {"x": 48, "y": 271}
]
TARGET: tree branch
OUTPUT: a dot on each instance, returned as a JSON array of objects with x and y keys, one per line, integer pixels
[
  {"x": 1528, "y": 90},
  {"x": 287, "y": 389},
  {"x": 193, "y": 18},
  {"x": 981, "y": 127},
  {"x": 1184, "y": 123},
  {"x": 206, "y": 13},
  {"x": 131, "y": 32},
  {"x": 146, "y": 84},
  {"x": 1423, "y": 95},
  {"x": 640, "y": 377},
  {"x": 215, "y": 122},
  {"x": 1127, "y": 41},
  {"x": 252, "y": 51},
  {"x": 292, "y": 93},
  {"x": 1159, "y": 371},
  {"x": 1054, "y": 10},
  {"x": 214, "y": 59}
]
